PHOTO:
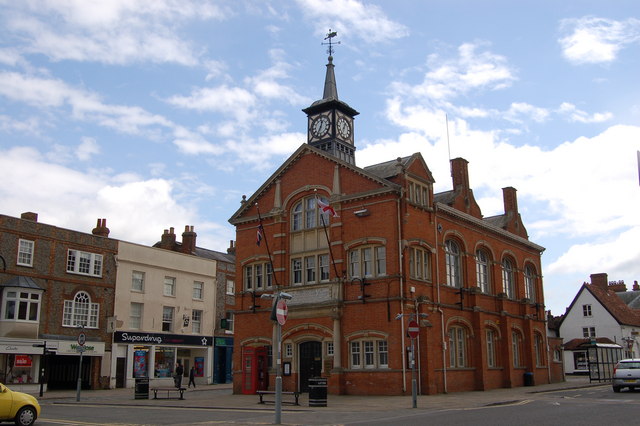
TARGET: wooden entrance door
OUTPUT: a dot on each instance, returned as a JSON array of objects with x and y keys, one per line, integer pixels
[{"x": 310, "y": 363}]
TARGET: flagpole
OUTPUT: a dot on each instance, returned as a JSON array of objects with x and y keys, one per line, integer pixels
[
  {"x": 326, "y": 234},
  {"x": 266, "y": 243}
]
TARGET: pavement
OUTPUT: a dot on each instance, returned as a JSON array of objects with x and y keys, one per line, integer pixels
[{"x": 220, "y": 396}]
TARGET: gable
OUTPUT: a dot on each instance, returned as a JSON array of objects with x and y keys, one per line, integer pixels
[{"x": 310, "y": 168}]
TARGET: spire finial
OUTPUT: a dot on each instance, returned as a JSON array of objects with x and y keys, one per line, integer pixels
[{"x": 330, "y": 43}]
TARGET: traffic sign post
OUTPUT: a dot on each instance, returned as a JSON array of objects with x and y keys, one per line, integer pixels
[
  {"x": 413, "y": 329},
  {"x": 281, "y": 311},
  {"x": 82, "y": 338}
]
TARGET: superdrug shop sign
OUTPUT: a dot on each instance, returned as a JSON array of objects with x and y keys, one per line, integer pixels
[{"x": 161, "y": 339}]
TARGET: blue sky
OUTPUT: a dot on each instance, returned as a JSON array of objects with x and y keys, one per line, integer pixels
[{"x": 164, "y": 113}]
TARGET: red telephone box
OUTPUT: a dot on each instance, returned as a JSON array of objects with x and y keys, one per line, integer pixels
[{"x": 254, "y": 369}]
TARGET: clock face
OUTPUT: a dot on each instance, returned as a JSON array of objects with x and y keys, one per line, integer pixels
[
  {"x": 343, "y": 128},
  {"x": 320, "y": 126}
]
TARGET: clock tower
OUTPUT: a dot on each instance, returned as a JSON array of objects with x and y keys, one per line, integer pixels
[{"x": 329, "y": 120}]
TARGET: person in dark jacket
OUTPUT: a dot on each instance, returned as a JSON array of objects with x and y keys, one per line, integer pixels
[
  {"x": 192, "y": 377},
  {"x": 178, "y": 377}
]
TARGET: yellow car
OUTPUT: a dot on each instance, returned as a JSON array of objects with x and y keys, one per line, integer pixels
[{"x": 20, "y": 407}]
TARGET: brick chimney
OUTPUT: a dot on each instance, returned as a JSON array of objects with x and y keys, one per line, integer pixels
[
  {"x": 168, "y": 239},
  {"x": 510, "y": 199},
  {"x": 29, "y": 216},
  {"x": 232, "y": 249},
  {"x": 101, "y": 229},
  {"x": 460, "y": 173},
  {"x": 636, "y": 287},
  {"x": 600, "y": 280},
  {"x": 618, "y": 286},
  {"x": 189, "y": 240}
]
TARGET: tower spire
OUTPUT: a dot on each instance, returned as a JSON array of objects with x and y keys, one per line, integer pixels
[{"x": 330, "y": 87}]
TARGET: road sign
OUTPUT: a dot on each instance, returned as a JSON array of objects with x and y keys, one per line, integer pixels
[
  {"x": 82, "y": 338},
  {"x": 281, "y": 311},
  {"x": 413, "y": 329}
]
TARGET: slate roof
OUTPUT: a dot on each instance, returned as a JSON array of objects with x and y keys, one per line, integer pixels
[
  {"x": 630, "y": 298},
  {"x": 388, "y": 168}
]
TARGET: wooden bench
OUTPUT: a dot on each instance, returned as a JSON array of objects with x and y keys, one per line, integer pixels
[
  {"x": 262, "y": 393},
  {"x": 168, "y": 390}
]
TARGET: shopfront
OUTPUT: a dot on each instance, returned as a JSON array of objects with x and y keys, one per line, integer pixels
[
  {"x": 19, "y": 361},
  {"x": 155, "y": 356}
]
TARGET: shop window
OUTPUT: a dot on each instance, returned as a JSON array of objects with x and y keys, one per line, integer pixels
[
  {"x": 84, "y": 263},
  {"x": 21, "y": 305},
  {"x": 80, "y": 311},
  {"x": 165, "y": 361},
  {"x": 25, "y": 252}
]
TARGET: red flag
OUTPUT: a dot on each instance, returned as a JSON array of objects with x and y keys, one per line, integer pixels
[
  {"x": 259, "y": 235},
  {"x": 326, "y": 208}
]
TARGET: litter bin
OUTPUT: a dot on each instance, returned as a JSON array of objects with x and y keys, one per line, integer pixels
[
  {"x": 317, "y": 392},
  {"x": 528, "y": 378},
  {"x": 142, "y": 388}
]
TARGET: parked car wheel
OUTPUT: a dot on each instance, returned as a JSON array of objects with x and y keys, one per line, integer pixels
[
  {"x": 26, "y": 416},
  {"x": 616, "y": 388}
]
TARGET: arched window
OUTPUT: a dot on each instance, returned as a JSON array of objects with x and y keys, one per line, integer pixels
[
  {"x": 516, "y": 348},
  {"x": 482, "y": 271},
  {"x": 530, "y": 283},
  {"x": 538, "y": 348},
  {"x": 306, "y": 214},
  {"x": 453, "y": 264},
  {"x": 80, "y": 311},
  {"x": 508, "y": 279},
  {"x": 458, "y": 357},
  {"x": 492, "y": 348}
]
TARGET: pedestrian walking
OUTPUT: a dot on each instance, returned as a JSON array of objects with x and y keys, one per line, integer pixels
[
  {"x": 192, "y": 377},
  {"x": 179, "y": 373}
]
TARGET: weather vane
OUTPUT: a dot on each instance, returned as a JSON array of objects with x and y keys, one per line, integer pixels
[{"x": 330, "y": 43}]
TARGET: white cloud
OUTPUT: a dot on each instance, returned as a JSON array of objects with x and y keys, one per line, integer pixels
[
  {"x": 449, "y": 78},
  {"x": 87, "y": 148},
  {"x": 113, "y": 32},
  {"x": 126, "y": 201},
  {"x": 569, "y": 110},
  {"x": 352, "y": 18},
  {"x": 597, "y": 40}
]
